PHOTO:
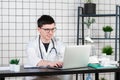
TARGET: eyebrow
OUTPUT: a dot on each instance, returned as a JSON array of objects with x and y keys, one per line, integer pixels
[{"x": 49, "y": 28}]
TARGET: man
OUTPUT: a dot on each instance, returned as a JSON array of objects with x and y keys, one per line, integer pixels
[{"x": 45, "y": 50}]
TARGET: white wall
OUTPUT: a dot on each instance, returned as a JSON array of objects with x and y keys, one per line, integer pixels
[{"x": 18, "y": 23}]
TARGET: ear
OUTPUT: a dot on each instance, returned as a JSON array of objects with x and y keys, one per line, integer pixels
[{"x": 39, "y": 29}]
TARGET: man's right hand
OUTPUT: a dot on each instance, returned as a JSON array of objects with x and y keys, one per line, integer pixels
[{"x": 49, "y": 63}]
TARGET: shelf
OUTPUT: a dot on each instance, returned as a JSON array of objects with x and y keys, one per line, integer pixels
[
  {"x": 103, "y": 38},
  {"x": 97, "y": 15},
  {"x": 116, "y": 38}
]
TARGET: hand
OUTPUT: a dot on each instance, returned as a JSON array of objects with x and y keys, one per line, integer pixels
[
  {"x": 56, "y": 64},
  {"x": 49, "y": 63},
  {"x": 43, "y": 63}
]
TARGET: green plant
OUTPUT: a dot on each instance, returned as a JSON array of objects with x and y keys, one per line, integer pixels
[
  {"x": 108, "y": 50},
  {"x": 107, "y": 29},
  {"x": 14, "y": 61},
  {"x": 89, "y": 22}
]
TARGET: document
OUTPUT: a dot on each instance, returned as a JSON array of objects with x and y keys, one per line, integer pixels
[
  {"x": 4, "y": 68},
  {"x": 33, "y": 67}
]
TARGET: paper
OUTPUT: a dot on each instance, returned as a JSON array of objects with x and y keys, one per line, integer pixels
[
  {"x": 4, "y": 68},
  {"x": 33, "y": 67},
  {"x": 27, "y": 66}
]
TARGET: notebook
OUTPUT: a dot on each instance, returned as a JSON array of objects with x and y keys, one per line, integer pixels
[{"x": 76, "y": 56}]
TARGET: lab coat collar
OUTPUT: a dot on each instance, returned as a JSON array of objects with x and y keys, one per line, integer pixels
[{"x": 43, "y": 48}]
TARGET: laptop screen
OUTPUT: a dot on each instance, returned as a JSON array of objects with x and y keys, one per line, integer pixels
[{"x": 76, "y": 56}]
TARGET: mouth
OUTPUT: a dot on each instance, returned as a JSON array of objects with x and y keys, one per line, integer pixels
[{"x": 49, "y": 36}]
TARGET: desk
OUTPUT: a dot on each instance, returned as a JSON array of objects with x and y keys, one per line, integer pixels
[{"x": 48, "y": 72}]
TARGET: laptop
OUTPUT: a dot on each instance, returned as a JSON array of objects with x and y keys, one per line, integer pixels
[{"x": 76, "y": 56}]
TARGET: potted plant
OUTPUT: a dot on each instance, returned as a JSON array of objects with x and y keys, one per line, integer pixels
[
  {"x": 107, "y": 31},
  {"x": 88, "y": 23},
  {"x": 108, "y": 50},
  {"x": 89, "y": 7},
  {"x": 14, "y": 65}
]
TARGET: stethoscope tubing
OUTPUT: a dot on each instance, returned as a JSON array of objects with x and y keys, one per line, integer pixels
[{"x": 50, "y": 50}]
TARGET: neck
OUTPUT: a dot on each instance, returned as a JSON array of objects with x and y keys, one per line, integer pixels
[{"x": 45, "y": 41}]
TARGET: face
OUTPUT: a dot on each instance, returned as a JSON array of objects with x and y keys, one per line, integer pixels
[{"x": 47, "y": 32}]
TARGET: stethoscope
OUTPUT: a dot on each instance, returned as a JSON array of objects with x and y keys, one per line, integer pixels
[{"x": 50, "y": 50}]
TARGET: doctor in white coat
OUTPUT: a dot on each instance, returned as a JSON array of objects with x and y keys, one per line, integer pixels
[{"x": 45, "y": 50}]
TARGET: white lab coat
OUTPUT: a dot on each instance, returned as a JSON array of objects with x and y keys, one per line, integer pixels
[{"x": 34, "y": 54}]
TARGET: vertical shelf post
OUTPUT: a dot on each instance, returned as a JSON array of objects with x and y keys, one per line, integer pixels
[{"x": 78, "y": 26}]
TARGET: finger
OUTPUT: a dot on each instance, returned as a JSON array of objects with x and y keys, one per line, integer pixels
[{"x": 59, "y": 65}]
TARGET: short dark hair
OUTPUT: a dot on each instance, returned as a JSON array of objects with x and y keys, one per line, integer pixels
[{"x": 45, "y": 19}]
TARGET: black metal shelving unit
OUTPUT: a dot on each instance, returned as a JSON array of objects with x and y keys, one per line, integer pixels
[
  {"x": 117, "y": 15},
  {"x": 117, "y": 30}
]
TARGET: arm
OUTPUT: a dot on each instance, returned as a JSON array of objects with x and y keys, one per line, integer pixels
[
  {"x": 50, "y": 63},
  {"x": 58, "y": 62},
  {"x": 34, "y": 58}
]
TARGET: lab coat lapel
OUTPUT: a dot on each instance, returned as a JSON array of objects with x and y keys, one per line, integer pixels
[
  {"x": 49, "y": 47},
  {"x": 44, "y": 53},
  {"x": 43, "y": 49}
]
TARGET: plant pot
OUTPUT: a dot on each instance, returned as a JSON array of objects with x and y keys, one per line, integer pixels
[
  {"x": 107, "y": 34},
  {"x": 89, "y": 8},
  {"x": 105, "y": 60},
  {"x": 17, "y": 68},
  {"x": 11, "y": 67},
  {"x": 14, "y": 67}
]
